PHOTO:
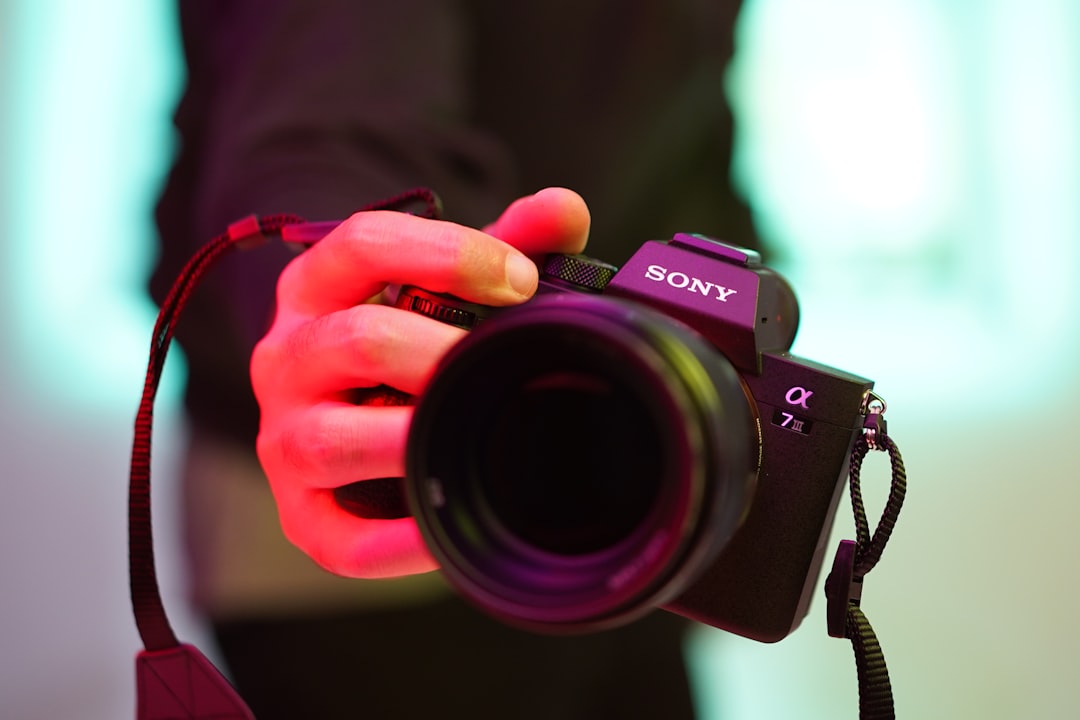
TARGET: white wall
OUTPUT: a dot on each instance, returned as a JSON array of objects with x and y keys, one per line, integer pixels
[{"x": 86, "y": 91}]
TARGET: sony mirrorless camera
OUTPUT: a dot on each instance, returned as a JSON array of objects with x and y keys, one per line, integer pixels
[{"x": 630, "y": 439}]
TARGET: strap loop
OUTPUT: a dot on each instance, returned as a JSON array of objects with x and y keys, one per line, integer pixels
[{"x": 854, "y": 559}]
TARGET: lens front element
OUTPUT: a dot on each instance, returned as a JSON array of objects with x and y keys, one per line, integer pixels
[{"x": 573, "y": 459}]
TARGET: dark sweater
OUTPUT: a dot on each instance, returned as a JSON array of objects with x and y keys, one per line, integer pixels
[{"x": 319, "y": 108}]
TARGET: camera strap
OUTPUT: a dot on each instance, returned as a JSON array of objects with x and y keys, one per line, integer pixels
[
  {"x": 854, "y": 559},
  {"x": 174, "y": 679}
]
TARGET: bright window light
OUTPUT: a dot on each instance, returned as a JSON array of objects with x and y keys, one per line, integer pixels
[{"x": 91, "y": 90}]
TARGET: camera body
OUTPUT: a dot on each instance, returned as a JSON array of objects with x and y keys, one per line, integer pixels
[{"x": 634, "y": 438}]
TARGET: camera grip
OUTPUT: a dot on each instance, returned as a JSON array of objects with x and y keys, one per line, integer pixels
[
  {"x": 384, "y": 498},
  {"x": 377, "y": 498}
]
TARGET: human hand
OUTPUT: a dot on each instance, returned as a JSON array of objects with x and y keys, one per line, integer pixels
[{"x": 332, "y": 335}]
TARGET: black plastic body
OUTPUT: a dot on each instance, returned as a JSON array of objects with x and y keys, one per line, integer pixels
[
  {"x": 758, "y": 581},
  {"x": 761, "y": 583}
]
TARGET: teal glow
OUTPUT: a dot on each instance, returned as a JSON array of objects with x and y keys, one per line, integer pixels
[
  {"x": 917, "y": 167},
  {"x": 89, "y": 92},
  {"x": 845, "y": 105}
]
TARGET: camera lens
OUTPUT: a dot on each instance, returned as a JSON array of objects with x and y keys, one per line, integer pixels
[
  {"x": 577, "y": 459},
  {"x": 570, "y": 463}
]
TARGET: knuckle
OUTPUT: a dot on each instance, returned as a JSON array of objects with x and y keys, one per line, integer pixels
[
  {"x": 329, "y": 560},
  {"x": 301, "y": 529},
  {"x": 298, "y": 530},
  {"x": 267, "y": 449},
  {"x": 302, "y": 342},
  {"x": 294, "y": 527},
  {"x": 290, "y": 277},
  {"x": 263, "y": 363},
  {"x": 371, "y": 334},
  {"x": 320, "y": 443},
  {"x": 362, "y": 334},
  {"x": 369, "y": 232}
]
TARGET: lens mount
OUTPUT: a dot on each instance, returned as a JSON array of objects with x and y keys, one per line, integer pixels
[{"x": 576, "y": 460}]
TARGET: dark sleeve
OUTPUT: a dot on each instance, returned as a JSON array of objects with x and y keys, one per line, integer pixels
[{"x": 315, "y": 108}]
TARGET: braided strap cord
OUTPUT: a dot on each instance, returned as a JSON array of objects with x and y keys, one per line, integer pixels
[
  {"x": 870, "y": 547},
  {"x": 150, "y": 617},
  {"x": 875, "y": 688},
  {"x": 854, "y": 560},
  {"x": 174, "y": 680}
]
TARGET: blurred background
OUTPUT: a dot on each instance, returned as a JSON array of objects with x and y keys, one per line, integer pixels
[{"x": 914, "y": 166}]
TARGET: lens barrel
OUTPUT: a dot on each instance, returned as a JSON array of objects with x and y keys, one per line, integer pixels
[{"x": 578, "y": 461}]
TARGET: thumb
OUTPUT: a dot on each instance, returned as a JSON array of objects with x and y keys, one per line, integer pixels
[{"x": 554, "y": 220}]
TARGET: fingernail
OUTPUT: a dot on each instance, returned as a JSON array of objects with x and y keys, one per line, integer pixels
[{"x": 521, "y": 274}]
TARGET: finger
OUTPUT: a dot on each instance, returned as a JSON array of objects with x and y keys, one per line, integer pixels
[
  {"x": 362, "y": 346},
  {"x": 372, "y": 249},
  {"x": 331, "y": 444},
  {"x": 347, "y": 545},
  {"x": 554, "y": 220}
]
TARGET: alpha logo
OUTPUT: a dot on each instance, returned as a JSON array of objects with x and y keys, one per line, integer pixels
[{"x": 682, "y": 281}]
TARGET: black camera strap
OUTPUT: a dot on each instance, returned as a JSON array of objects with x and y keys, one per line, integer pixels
[
  {"x": 854, "y": 559},
  {"x": 174, "y": 679}
]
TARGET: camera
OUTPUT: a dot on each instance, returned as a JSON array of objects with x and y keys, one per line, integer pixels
[{"x": 633, "y": 438}]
